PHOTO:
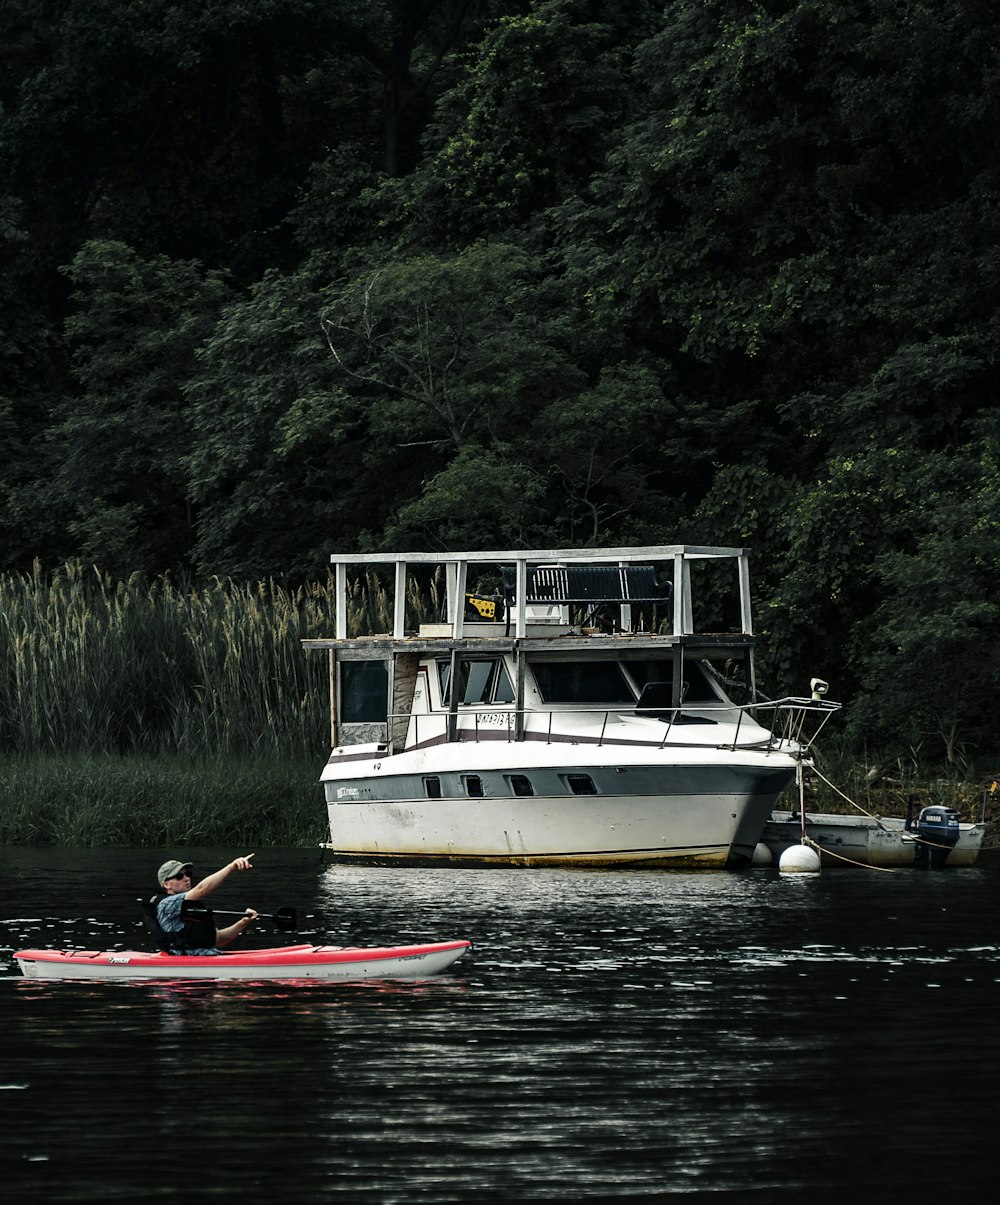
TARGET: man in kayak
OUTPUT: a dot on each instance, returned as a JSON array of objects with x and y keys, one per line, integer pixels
[{"x": 191, "y": 930}]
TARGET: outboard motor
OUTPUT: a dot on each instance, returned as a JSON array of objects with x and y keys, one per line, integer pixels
[{"x": 937, "y": 830}]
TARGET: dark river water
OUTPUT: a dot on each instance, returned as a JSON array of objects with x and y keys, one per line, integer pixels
[{"x": 752, "y": 1037}]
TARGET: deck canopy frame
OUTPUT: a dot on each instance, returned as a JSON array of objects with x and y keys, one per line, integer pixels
[
  {"x": 453, "y": 640},
  {"x": 456, "y": 566}
]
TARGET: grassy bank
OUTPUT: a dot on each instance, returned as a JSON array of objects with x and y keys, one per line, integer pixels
[
  {"x": 93, "y": 665},
  {"x": 103, "y": 800}
]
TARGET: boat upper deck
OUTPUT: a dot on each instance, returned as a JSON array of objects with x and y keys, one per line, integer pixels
[{"x": 533, "y": 596}]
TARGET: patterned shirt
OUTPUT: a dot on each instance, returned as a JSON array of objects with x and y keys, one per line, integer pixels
[{"x": 168, "y": 913}]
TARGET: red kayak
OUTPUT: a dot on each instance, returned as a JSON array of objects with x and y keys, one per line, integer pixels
[{"x": 285, "y": 962}]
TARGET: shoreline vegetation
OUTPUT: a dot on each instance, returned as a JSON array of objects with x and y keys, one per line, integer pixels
[
  {"x": 144, "y": 712},
  {"x": 162, "y": 800},
  {"x": 151, "y": 712}
]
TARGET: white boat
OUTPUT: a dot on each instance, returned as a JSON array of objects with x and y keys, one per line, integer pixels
[
  {"x": 593, "y": 722},
  {"x": 844, "y": 840}
]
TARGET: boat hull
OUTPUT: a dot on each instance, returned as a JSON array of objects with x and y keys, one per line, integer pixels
[
  {"x": 843, "y": 840},
  {"x": 689, "y": 815},
  {"x": 287, "y": 962}
]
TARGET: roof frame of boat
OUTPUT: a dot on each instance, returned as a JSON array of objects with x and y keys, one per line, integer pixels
[{"x": 680, "y": 557}]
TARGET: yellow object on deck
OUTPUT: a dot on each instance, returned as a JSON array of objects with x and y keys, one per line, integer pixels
[{"x": 485, "y": 608}]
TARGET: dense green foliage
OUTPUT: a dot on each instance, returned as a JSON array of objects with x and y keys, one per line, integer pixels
[{"x": 285, "y": 277}]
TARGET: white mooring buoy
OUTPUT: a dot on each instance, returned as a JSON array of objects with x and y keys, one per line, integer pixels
[
  {"x": 799, "y": 859},
  {"x": 762, "y": 856}
]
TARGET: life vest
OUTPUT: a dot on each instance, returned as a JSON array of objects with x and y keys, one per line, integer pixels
[{"x": 199, "y": 931}]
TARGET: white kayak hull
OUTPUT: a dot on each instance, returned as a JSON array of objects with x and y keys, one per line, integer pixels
[{"x": 287, "y": 962}]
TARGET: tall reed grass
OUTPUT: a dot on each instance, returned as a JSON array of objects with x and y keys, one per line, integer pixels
[
  {"x": 148, "y": 712},
  {"x": 90, "y": 664}
]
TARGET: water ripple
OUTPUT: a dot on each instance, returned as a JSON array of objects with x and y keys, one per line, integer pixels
[{"x": 613, "y": 1035}]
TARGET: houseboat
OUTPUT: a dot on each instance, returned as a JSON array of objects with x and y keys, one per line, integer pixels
[{"x": 564, "y": 707}]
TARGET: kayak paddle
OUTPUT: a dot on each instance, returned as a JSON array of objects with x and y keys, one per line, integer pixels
[{"x": 285, "y": 919}]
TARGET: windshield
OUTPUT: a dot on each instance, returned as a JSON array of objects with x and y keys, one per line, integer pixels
[
  {"x": 582, "y": 682},
  {"x": 612, "y": 682},
  {"x": 698, "y": 687}
]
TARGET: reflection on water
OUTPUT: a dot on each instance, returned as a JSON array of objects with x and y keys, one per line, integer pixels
[{"x": 751, "y": 1037}]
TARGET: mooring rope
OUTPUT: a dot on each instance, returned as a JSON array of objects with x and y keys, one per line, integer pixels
[
  {"x": 878, "y": 820},
  {"x": 847, "y": 799}
]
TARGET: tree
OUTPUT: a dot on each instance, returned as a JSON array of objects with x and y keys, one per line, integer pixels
[
  {"x": 113, "y": 446},
  {"x": 405, "y": 43},
  {"x": 601, "y": 449},
  {"x": 170, "y": 129},
  {"x": 482, "y": 498},
  {"x": 276, "y": 462},
  {"x": 445, "y": 356},
  {"x": 526, "y": 123},
  {"x": 929, "y": 658},
  {"x": 754, "y": 218},
  {"x": 448, "y": 349},
  {"x": 116, "y": 444}
]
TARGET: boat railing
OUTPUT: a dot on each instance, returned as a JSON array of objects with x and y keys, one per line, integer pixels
[
  {"x": 794, "y": 726},
  {"x": 795, "y": 722}
]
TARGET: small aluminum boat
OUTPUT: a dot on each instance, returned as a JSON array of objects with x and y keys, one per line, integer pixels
[
  {"x": 937, "y": 839},
  {"x": 285, "y": 962}
]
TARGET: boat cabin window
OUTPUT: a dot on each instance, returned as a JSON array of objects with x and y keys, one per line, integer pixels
[
  {"x": 580, "y": 784},
  {"x": 520, "y": 784},
  {"x": 364, "y": 688},
  {"x": 697, "y": 687},
  {"x": 582, "y": 682},
  {"x": 473, "y": 786},
  {"x": 432, "y": 787},
  {"x": 480, "y": 680}
]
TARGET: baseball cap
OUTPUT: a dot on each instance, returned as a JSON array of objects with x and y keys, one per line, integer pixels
[{"x": 169, "y": 869}]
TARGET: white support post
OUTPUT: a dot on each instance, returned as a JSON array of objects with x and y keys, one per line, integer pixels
[
  {"x": 332, "y": 676},
  {"x": 451, "y": 590},
  {"x": 745, "y": 613},
  {"x": 679, "y": 577},
  {"x": 461, "y": 576},
  {"x": 521, "y": 577},
  {"x": 686, "y": 598},
  {"x": 399, "y": 602},
  {"x": 625, "y": 614},
  {"x": 341, "y": 600}
]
